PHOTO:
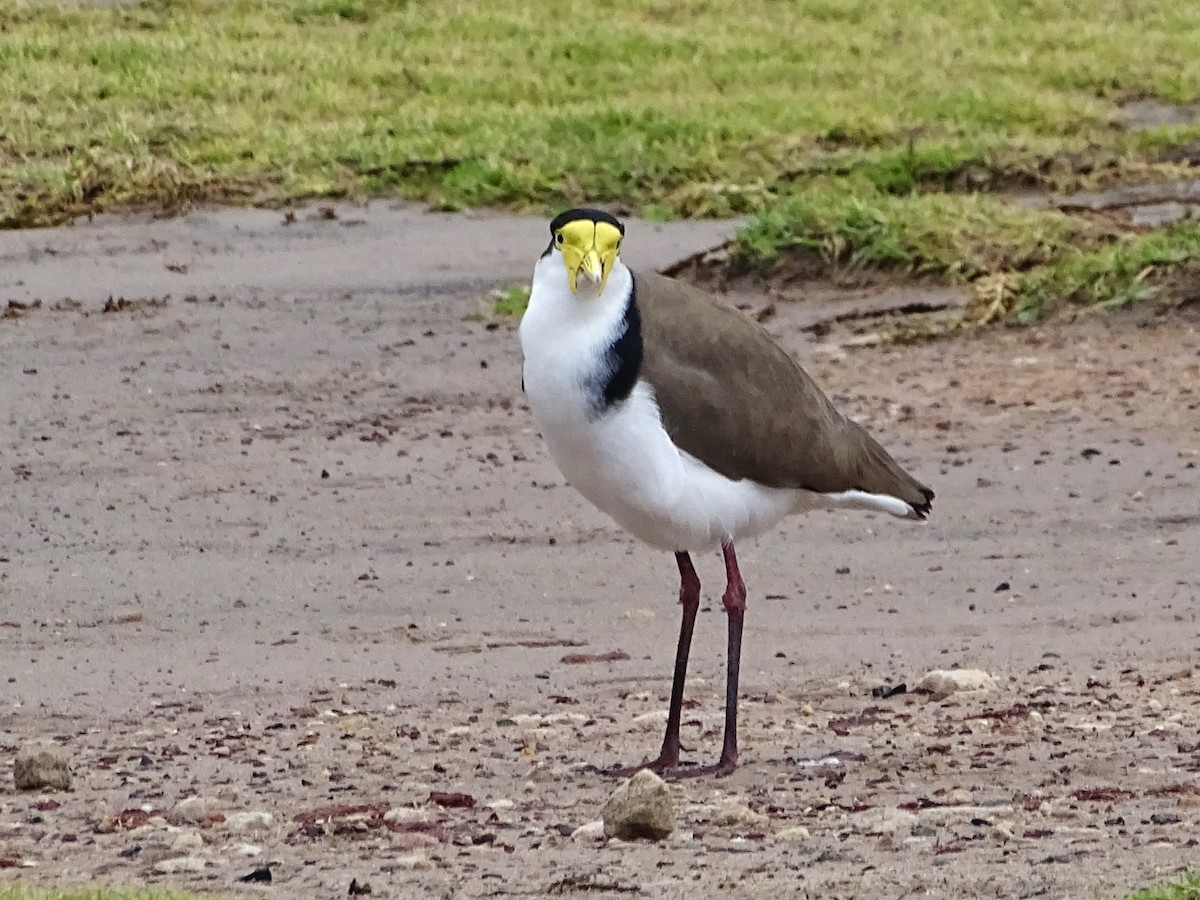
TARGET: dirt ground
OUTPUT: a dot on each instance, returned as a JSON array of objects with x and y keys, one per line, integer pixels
[{"x": 279, "y": 535}]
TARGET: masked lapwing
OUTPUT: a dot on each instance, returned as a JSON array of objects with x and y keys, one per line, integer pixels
[{"x": 687, "y": 424}]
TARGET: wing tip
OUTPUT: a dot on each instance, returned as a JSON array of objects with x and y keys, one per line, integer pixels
[{"x": 922, "y": 509}]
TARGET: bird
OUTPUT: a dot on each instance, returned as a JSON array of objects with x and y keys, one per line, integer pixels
[{"x": 685, "y": 422}]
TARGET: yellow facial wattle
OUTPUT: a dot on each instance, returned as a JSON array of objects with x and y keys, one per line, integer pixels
[{"x": 588, "y": 247}]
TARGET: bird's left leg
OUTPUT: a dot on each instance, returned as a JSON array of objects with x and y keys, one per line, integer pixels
[
  {"x": 689, "y": 599},
  {"x": 734, "y": 600}
]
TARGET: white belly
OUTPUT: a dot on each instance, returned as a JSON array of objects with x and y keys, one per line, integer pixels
[{"x": 625, "y": 464}]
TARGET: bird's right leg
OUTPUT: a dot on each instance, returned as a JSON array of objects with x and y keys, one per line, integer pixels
[{"x": 689, "y": 599}]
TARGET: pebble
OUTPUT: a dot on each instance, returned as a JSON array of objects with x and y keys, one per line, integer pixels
[
  {"x": 352, "y": 724},
  {"x": 193, "y": 810},
  {"x": 537, "y": 738},
  {"x": 638, "y": 614},
  {"x": 794, "y": 835},
  {"x": 187, "y": 841},
  {"x": 545, "y": 771},
  {"x": 500, "y": 805},
  {"x": 179, "y": 864},
  {"x": 740, "y": 814},
  {"x": 406, "y": 814},
  {"x": 1002, "y": 832},
  {"x": 950, "y": 681},
  {"x": 410, "y": 861},
  {"x": 527, "y": 721},
  {"x": 960, "y": 796},
  {"x": 41, "y": 767},
  {"x": 246, "y": 822},
  {"x": 249, "y": 851},
  {"x": 651, "y": 721},
  {"x": 641, "y": 807},
  {"x": 590, "y": 832},
  {"x": 412, "y": 840},
  {"x": 884, "y": 820}
]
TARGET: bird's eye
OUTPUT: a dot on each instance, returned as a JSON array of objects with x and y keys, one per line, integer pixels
[{"x": 558, "y": 239}]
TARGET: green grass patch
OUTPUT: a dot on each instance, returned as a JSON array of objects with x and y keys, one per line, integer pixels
[
  {"x": 706, "y": 108},
  {"x": 1187, "y": 888},
  {"x": 859, "y": 128},
  {"x": 510, "y": 302},
  {"x": 962, "y": 236},
  {"x": 1024, "y": 264},
  {"x": 502, "y": 303}
]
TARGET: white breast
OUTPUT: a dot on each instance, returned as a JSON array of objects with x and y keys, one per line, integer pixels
[{"x": 622, "y": 460}]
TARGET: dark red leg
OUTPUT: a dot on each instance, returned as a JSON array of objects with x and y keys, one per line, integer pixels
[
  {"x": 689, "y": 599},
  {"x": 735, "y": 606}
]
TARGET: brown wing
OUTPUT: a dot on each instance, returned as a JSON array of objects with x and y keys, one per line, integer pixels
[{"x": 734, "y": 399}]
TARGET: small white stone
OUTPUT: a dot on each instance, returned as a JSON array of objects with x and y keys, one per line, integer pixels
[
  {"x": 411, "y": 861},
  {"x": 187, "y": 841},
  {"x": 1002, "y": 832},
  {"x": 406, "y": 814},
  {"x": 795, "y": 835},
  {"x": 884, "y": 820},
  {"x": 638, "y": 614},
  {"x": 500, "y": 805},
  {"x": 949, "y": 681},
  {"x": 527, "y": 721},
  {"x": 545, "y": 771},
  {"x": 249, "y": 851},
  {"x": 193, "y": 809},
  {"x": 651, "y": 721},
  {"x": 740, "y": 814},
  {"x": 247, "y": 822},
  {"x": 641, "y": 807},
  {"x": 960, "y": 796},
  {"x": 181, "y": 864},
  {"x": 534, "y": 738},
  {"x": 592, "y": 831}
]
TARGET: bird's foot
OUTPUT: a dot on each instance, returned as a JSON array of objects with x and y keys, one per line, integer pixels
[
  {"x": 722, "y": 769},
  {"x": 664, "y": 765},
  {"x": 668, "y": 767}
]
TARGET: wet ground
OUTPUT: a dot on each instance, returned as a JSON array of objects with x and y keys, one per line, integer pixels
[{"x": 280, "y": 535}]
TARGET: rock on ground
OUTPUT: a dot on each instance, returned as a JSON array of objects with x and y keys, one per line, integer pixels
[
  {"x": 248, "y": 822},
  {"x": 642, "y": 807},
  {"x": 181, "y": 864},
  {"x": 950, "y": 681},
  {"x": 740, "y": 814},
  {"x": 589, "y": 831},
  {"x": 884, "y": 820},
  {"x": 41, "y": 767}
]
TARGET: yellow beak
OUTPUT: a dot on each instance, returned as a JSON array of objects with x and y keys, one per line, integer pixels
[
  {"x": 590, "y": 249},
  {"x": 591, "y": 267}
]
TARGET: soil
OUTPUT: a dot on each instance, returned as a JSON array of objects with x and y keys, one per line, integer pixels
[{"x": 280, "y": 535}]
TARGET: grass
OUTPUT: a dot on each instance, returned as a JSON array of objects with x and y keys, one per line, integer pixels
[
  {"x": 1187, "y": 888},
  {"x": 1024, "y": 264},
  {"x": 863, "y": 130}
]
